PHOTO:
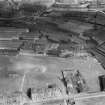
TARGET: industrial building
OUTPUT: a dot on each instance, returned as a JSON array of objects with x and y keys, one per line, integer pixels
[{"x": 8, "y": 47}]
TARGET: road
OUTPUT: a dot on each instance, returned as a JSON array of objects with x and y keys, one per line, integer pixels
[
  {"x": 77, "y": 97},
  {"x": 23, "y": 80}
]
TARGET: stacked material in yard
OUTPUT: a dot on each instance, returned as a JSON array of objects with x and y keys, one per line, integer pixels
[
  {"x": 28, "y": 45},
  {"x": 75, "y": 82}
]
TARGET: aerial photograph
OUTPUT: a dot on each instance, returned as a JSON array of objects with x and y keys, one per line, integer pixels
[{"x": 52, "y": 52}]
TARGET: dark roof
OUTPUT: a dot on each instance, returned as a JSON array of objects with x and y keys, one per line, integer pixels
[
  {"x": 8, "y": 44},
  {"x": 67, "y": 46},
  {"x": 11, "y": 32},
  {"x": 8, "y": 34},
  {"x": 98, "y": 35},
  {"x": 30, "y": 35}
]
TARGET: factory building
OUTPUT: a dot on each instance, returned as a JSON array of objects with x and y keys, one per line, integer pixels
[
  {"x": 8, "y": 47},
  {"x": 11, "y": 33}
]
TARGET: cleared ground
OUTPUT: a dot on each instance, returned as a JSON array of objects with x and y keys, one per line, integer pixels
[{"x": 35, "y": 76}]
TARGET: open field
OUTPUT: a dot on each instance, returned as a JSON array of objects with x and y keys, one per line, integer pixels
[{"x": 89, "y": 67}]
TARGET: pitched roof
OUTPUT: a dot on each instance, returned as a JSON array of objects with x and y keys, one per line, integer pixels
[
  {"x": 11, "y": 32},
  {"x": 30, "y": 35},
  {"x": 8, "y": 44}
]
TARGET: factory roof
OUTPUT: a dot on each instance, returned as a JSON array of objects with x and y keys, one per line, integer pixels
[
  {"x": 30, "y": 35},
  {"x": 8, "y": 44},
  {"x": 10, "y": 33},
  {"x": 12, "y": 29}
]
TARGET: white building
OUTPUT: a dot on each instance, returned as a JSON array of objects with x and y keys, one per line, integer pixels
[{"x": 42, "y": 94}]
